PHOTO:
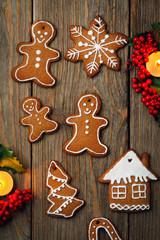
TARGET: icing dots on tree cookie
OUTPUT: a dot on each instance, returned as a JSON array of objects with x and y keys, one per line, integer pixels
[
  {"x": 129, "y": 187},
  {"x": 86, "y": 128},
  {"x": 37, "y": 56},
  {"x": 97, "y": 223},
  {"x": 37, "y": 119},
  {"x": 95, "y": 46},
  {"x": 61, "y": 195}
]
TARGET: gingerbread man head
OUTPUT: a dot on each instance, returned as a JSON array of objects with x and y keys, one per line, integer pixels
[
  {"x": 31, "y": 105},
  {"x": 89, "y": 104},
  {"x": 42, "y": 32}
]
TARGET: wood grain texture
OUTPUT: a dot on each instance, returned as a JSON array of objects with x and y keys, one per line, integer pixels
[
  {"x": 144, "y": 131},
  {"x": 139, "y": 131},
  {"x": 15, "y": 18}
]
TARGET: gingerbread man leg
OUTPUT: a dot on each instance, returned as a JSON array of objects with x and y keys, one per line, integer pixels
[
  {"x": 34, "y": 134},
  {"x": 74, "y": 146},
  {"x": 97, "y": 148},
  {"x": 22, "y": 72},
  {"x": 45, "y": 78}
]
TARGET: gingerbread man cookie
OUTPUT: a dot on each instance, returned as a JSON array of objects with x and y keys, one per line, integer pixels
[
  {"x": 62, "y": 195},
  {"x": 104, "y": 223},
  {"x": 37, "y": 56},
  {"x": 37, "y": 119},
  {"x": 86, "y": 128},
  {"x": 95, "y": 46}
]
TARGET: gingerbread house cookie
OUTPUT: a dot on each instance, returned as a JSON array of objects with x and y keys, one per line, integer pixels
[{"x": 129, "y": 183}]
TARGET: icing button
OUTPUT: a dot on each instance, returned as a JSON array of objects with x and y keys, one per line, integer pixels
[
  {"x": 38, "y": 52},
  {"x": 86, "y": 132},
  {"x": 37, "y": 65},
  {"x": 38, "y": 59},
  {"x": 87, "y": 127},
  {"x": 87, "y": 121}
]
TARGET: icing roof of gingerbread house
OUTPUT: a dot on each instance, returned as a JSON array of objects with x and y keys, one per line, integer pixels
[{"x": 127, "y": 166}]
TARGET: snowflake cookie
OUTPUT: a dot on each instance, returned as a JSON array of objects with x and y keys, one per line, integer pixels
[{"x": 95, "y": 46}]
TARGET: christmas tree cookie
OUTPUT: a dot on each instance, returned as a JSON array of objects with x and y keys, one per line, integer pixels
[{"x": 62, "y": 195}]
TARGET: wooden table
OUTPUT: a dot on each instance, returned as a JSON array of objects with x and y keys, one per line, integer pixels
[{"x": 130, "y": 125}]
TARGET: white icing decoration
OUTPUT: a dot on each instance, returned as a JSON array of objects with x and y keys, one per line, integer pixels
[
  {"x": 98, "y": 130},
  {"x": 86, "y": 132},
  {"x": 129, "y": 207},
  {"x": 119, "y": 192},
  {"x": 39, "y": 52},
  {"x": 141, "y": 191},
  {"x": 37, "y": 119},
  {"x": 87, "y": 121},
  {"x": 68, "y": 199},
  {"x": 84, "y": 104},
  {"x": 39, "y": 32},
  {"x": 37, "y": 65},
  {"x": 92, "y": 104},
  {"x": 95, "y": 46},
  {"x": 40, "y": 123},
  {"x": 38, "y": 112},
  {"x": 46, "y": 33},
  {"x": 124, "y": 169},
  {"x": 87, "y": 127},
  {"x": 109, "y": 232},
  {"x": 41, "y": 36},
  {"x": 38, "y": 59}
]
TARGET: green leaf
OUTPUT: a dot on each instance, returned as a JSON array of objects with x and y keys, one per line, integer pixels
[
  {"x": 7, "y": 161},
  {"x": 156, "y": 82}
]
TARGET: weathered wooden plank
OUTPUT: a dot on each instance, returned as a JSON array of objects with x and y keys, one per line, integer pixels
[
  {"x": 144, "y": 131},
  {"x": 72, "y": 81},
  {"x": 15, "y": 20}
]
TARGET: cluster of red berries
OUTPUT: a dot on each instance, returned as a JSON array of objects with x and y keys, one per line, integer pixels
[
  {"x": 15, "y": 202},
  {"x": 143, "y": 46}
]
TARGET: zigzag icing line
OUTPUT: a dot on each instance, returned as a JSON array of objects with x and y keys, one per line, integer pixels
[{"x": 132, "y": 207}]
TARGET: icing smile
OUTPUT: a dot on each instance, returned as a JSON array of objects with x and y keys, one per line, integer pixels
[
  {"x": 87, "y": 112},
  {"x": 40, "y": 41}
]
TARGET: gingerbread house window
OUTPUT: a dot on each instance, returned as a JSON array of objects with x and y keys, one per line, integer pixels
[
  {"x": 138, "y": 191},
  {"x": 119, "y": 192}
]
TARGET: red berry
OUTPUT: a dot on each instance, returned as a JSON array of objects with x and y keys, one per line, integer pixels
[
  {"x": 7, "y": 213},
  {"x": 148, "y": 97},
  {"x": 143, "y": 99},
  {"x": 18, "y": 192},
  {"x": 144, "y": 85},
  {"x": 146, "y": 59},
  {"x": 149, "y": 81},
  {"x": 142, "y": 49},
  {"x": 137, "y": 90},
  {"x": 134, "y": 80},
  {"x": 155, "y": 112},
  {"x": 1, "y": 213},
  {"x": 4, "y": 219},
  {"x": 144, "y": 93},
  {"x": 134, "y": 86},
  {"x": 147, "y": 104},
  {"x": 135, "y": 39},
  {"x": 154, "y": 91},
  {"x": 24, "y": 192},
  {"x": 141, "y": 76},
  {"x": 150, "y": 112},
  {"x": 141, "y": 38},
  {"x": 20, "y": 197}
]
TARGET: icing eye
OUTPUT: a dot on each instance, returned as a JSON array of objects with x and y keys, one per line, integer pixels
[
  {"x": 39, "y": 32},
  {"x": 46, "y": 33},
  {"x": 130, "y": 160},
  {"x": 54, "y": 168},
  {"x": 84, "y": 104},
  {"x": 89, "y": 100},
  {"x": 43, "y": 27},
  {"x": 97, "y": 222},
  {"x": 92, "y": 104}
]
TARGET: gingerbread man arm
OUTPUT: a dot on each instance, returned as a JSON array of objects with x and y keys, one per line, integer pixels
[
  {"x": 22, "y": 47},
  {"x": 25, "y": 120},
  {"x": 102, "y": 121},
  {"x": 53, "y": 53},
  {"x": 71, "y": 120},
  {"x": 45, "y": 110}
]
